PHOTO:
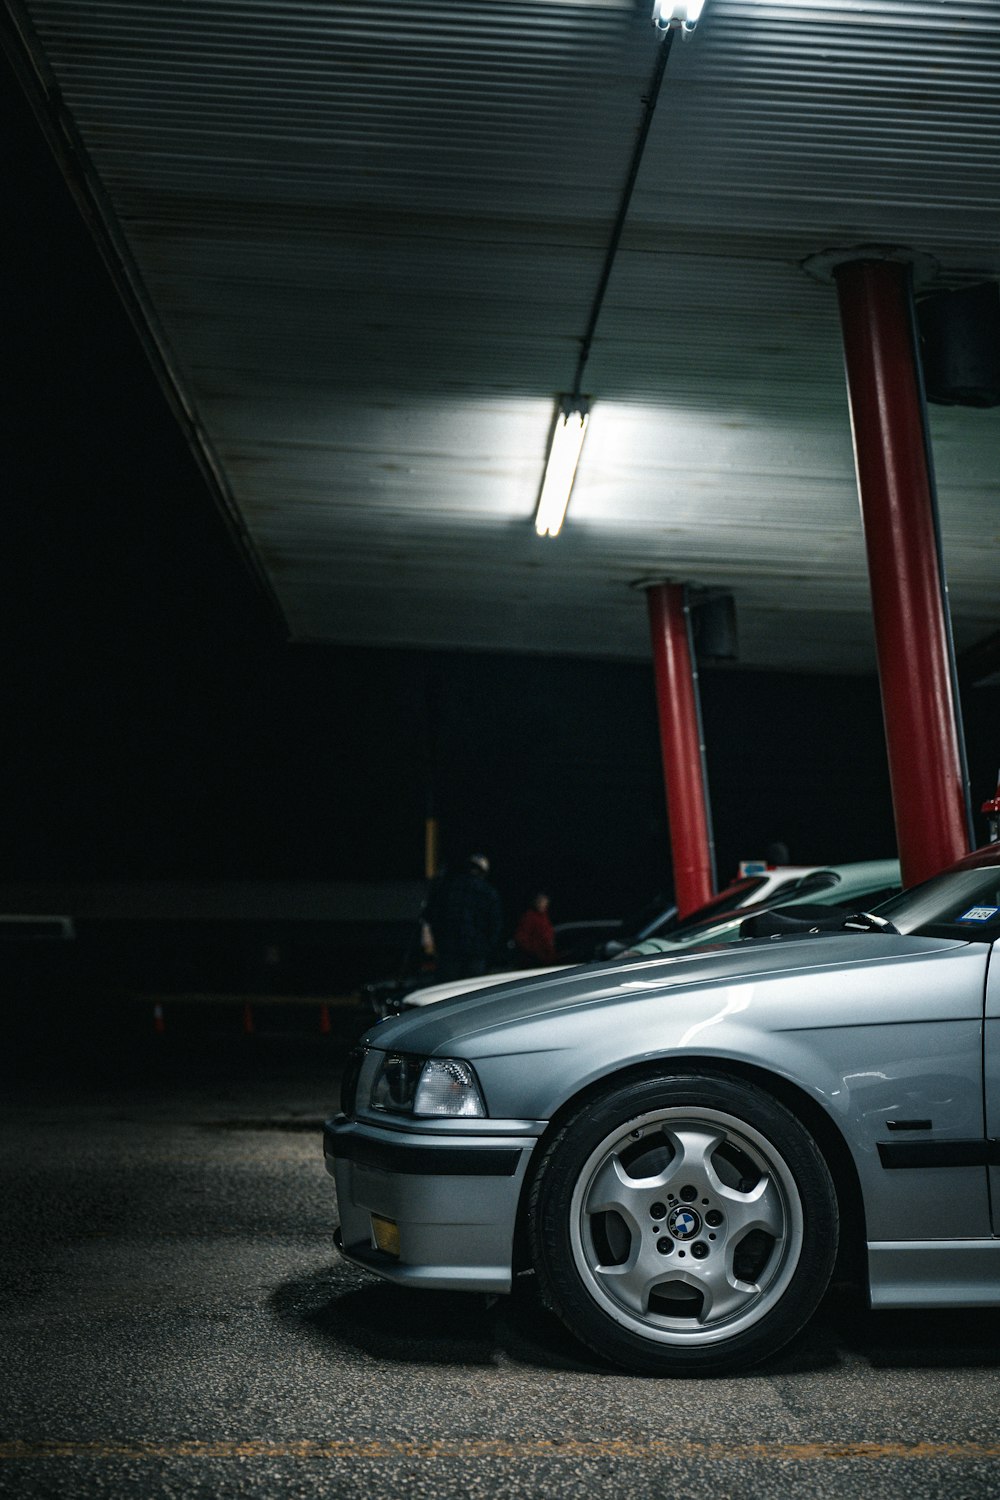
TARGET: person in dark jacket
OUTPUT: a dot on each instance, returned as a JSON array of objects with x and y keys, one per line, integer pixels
[
  {"x": 465, "y": 919},
  {"x": 534, "y": 935}
]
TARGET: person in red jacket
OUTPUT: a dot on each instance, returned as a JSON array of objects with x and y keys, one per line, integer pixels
[{"x": 534, "y": 937}]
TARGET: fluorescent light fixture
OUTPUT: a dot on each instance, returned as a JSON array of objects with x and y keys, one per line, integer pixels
[
  {"x": 560, "y": 470},
  {"x": 673, "y": 13}
]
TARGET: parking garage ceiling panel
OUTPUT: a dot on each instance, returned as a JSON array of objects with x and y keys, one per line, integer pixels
[{"x": 366, "y": 242}]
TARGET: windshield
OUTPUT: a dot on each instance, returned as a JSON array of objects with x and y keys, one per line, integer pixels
[
  {"x": 727, "y": 928},
  {"x": 733, "y": 895},
  {"x": 724, "y": 929},
  {"x": 963, "y": 904}
]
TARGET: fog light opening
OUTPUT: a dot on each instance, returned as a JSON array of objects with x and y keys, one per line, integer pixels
[{"x": 385, "y": 1235}]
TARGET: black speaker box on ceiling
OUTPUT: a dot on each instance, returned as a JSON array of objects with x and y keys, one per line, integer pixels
[
  {"x": 960, "y": 345},
  {"x": 713, "y": 622}
]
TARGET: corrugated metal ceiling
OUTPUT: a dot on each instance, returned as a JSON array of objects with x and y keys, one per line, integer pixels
[{"x": 369, "y": 239}]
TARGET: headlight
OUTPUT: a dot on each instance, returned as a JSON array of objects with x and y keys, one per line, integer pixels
[{"x": 408, "y": 1085}]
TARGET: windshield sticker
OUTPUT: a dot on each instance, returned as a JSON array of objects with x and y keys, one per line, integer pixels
[{"x": 979, "y": 914}]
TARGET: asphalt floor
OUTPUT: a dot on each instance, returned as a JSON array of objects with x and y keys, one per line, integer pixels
[{"x": 175, "y": 1322}]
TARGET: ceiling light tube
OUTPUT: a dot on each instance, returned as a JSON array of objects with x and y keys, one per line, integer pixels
[
  {"x": 560, "y": 469},
  {"x": 673, "y": 13}
]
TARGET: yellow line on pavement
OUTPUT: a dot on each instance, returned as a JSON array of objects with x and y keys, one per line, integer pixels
[{"x": 465, "y": 1449}]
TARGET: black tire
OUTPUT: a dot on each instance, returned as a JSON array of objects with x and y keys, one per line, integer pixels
[{"x": 683, "y": 1224}]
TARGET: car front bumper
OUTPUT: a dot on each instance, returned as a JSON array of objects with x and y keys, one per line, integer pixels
[{"x": 453, "y": 1198}]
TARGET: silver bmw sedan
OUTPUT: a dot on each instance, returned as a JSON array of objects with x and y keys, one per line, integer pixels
[{"x": 679, "y": 1146}]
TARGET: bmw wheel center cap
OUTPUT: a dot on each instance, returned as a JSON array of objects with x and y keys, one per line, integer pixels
[{"x": 684, "y": 1223}]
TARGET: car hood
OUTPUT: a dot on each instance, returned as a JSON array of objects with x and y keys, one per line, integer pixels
[{"x": 469, "y": 1022}]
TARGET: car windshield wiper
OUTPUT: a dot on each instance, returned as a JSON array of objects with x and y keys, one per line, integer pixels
[
  {"x": 867, "y": 921},
  {"x": 807, "y": 921}
]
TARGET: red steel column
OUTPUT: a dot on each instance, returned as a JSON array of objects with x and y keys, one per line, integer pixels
[
  {"x": 896, "y": 490},
  {"x": 680, "y": 742}
]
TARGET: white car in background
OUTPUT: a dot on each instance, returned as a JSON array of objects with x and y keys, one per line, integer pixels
[
  {"x": 756, "y": 882},
  {"x": 863, "y": 883}
]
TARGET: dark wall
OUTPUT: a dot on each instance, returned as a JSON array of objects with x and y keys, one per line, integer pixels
[
  {"x": 188, "y": 756},
  {"x": 155, "y": 724}
]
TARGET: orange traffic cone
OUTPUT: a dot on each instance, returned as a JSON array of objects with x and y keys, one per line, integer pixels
[
  {"x": 248, "y": 1020},
  {"x": 324, "y": 1019}
]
